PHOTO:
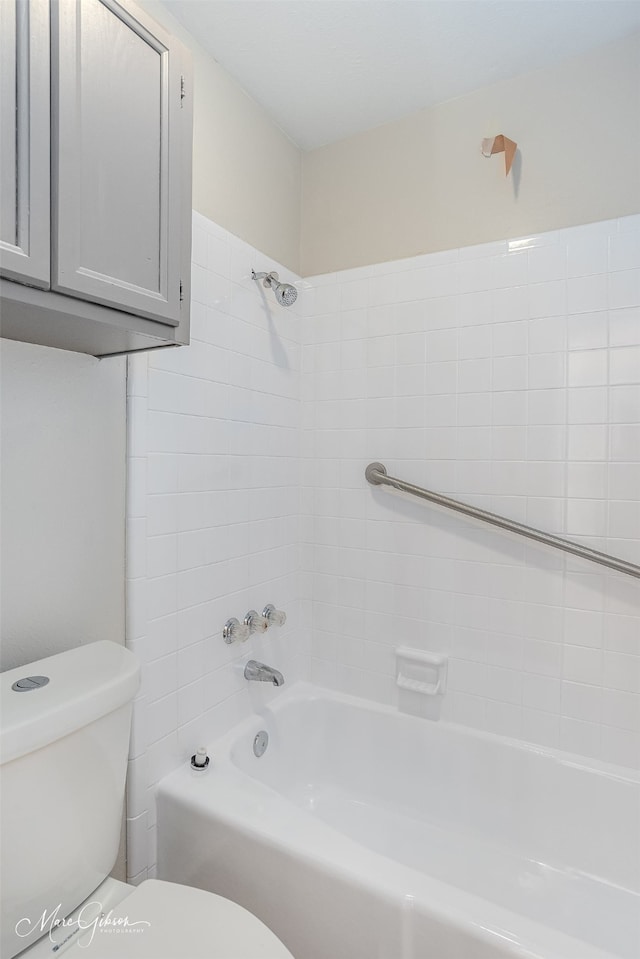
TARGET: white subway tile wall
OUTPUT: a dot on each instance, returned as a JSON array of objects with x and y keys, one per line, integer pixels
[
  {"x": 507, "y": 375},
  {"x": 212, "y": 518}
]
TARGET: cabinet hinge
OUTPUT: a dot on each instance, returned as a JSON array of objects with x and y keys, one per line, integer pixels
[
  {"x": 181, "y": 292},
  {"x": 183, "y": 92}
]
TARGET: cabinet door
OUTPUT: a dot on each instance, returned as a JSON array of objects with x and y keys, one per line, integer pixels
[
  {"x": 116, "y": 130},
  {"x": 24, "y": 141}
]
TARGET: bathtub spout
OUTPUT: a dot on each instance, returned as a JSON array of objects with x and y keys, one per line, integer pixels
[{"x": 258, "y": 672}]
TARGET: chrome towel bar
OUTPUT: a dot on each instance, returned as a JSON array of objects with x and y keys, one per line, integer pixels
[{"x": 376, "y": 474}]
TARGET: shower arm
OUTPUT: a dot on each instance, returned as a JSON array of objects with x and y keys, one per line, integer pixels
[{"x": 266, "y": 278}]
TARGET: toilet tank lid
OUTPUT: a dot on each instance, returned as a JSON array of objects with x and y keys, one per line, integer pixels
[{"x": 84, "y": 684}]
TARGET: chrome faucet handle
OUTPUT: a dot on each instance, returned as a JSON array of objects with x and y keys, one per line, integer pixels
[
  {"x": 235, "y": 632},
  {"x": 273, "y": 616},
  {"x": 255, "y": 622}
]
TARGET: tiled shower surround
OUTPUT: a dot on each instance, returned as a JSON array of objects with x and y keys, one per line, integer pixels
[
  {"x": 213, "y": 517},
  {"x": 506, "y": 375}
]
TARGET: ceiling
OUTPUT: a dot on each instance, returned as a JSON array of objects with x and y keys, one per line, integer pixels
[{"x": 326, "y": 69}]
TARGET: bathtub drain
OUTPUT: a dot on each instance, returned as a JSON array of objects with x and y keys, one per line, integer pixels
[{"x": 260, "y": 743}]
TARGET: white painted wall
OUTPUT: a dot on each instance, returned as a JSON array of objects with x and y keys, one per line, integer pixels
[
  {"x": 420, "y": 184},
  {"x": 63, "y": 488}
]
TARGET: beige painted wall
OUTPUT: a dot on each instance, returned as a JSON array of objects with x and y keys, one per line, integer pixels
[
  {"x": 246, "y": 171},
  {"x": 63, "y": 446},
  {"x": 420, "y": 184}
]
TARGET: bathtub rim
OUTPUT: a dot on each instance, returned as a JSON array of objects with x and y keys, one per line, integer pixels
[{"x": 303, "y": 691}]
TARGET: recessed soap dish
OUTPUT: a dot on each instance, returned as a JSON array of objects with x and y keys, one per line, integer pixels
[{"x": 421, "y": 672}]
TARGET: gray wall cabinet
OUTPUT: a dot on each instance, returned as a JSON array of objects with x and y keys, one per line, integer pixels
[
  {"x": 95, "y": 251},
  {"x": 24, "y": 141}
]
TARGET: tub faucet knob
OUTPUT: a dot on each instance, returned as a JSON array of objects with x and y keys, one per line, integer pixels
[
  {"x": 234, "y": 631},
  {"x": 255, "y": 622},
  {"x": 273, "y": 616}
]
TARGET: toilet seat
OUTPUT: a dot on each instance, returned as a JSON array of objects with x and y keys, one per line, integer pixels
[
  {"x": 183, "y": 922},
  {"x": 166, "y": 920}
]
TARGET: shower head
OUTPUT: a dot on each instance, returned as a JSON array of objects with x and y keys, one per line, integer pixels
[{"x": 286, "y": 294}]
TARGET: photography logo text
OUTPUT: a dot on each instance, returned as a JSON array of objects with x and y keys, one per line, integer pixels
[{"x": 91, "y": 917}]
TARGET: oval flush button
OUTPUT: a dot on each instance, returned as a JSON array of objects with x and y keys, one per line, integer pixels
[{"x": 30, "y": 682}]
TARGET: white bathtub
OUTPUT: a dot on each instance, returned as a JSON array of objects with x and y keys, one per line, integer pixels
[{"x": 362, "y": 833}]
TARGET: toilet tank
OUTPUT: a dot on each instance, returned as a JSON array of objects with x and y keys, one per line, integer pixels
[{"x": 63, "y": 763}]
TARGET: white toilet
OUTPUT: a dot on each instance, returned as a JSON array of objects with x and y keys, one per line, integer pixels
[{"x": 63, "y": 749}]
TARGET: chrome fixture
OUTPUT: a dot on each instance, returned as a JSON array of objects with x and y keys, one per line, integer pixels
[
  {"x": 259, "y": 673},
  {"x": 200, "y": 760},
  {"x": 376, "y": 474},
  {"x": 235, "y": 632},
  {"x": 260, "y": 743},
  {"x": 286, "y": 295},
  {"x": 273, "y": 616},
  {"x": 256, "y": 622}
]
